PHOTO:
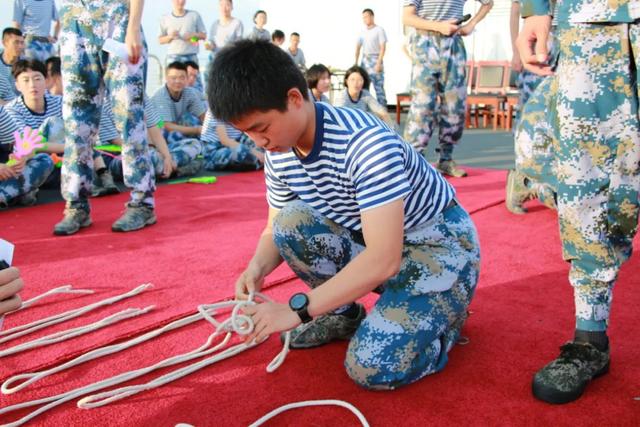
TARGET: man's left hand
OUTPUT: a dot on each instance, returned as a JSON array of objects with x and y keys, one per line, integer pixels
[
  {"x": 133, "y": 41},
  {"x": 269, "y": 318}
]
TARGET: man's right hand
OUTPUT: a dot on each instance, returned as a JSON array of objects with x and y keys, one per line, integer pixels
[
  {"x": 447, "y": 28},
  {"x": 251, "y": 280},
  {"x": 532, "y": 44},
  {"x": 6, "y": 172},
  {"x": 10, "y": 285}
]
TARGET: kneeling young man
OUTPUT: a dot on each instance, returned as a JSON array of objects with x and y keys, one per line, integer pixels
[{"x": 352, "y": 209}]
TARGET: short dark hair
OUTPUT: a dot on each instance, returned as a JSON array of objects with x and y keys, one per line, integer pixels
[
  {"x": 177, "y": 65},
  {"x": 294, "y": 34},
  {"x": 249, "y": 76},
  {"x": 314, "y": 73},
  {"x": 53, "y": 65},
  {"x": 23, "y": 65},
  {"x": 258, "y": 12},
  {"x": 362, "y": 72},
  {"x": 192, "y": 64},
  {"x": 369, "y": 11},
  {"x": 11, "y": 31},
  {"x": 277, "y": 34}
]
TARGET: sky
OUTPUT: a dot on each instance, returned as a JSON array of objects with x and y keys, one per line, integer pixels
[{"x": 328, "y": 29}]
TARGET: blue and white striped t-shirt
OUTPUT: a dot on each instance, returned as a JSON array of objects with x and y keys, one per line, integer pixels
[
  {"x": 7, "y": 127},
  {"x": 209, "y": 133},
  {"x": 6, "y": 91},
  {"x": 7, "y": 76},
  {"x": 23, "y": 116},
  {"x": 108, "y": 131},
  {"x": 357, "y": 163},
  {"x": 439, "y": 10},
  {"x": 35, "y": 16},
  {"x": 174, "y": 111}
]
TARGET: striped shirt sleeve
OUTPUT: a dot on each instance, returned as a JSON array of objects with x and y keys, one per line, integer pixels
[
  {"x": 372, "y": 104},
  {"x": 194, "y": 102},
  {"x": 375, "y": 164},
  {"x": 278, "y": 192},
  {"x": 6, "y": 92},
  {"x": 151, "y": 116},
  {"x": 7, "y": 127}
]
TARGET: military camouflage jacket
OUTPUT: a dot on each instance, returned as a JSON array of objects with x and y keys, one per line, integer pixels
[{"x": 575, "y": 11}]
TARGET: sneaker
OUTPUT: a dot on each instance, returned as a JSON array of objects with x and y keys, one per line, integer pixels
[
  {"x": 135, "y": 218},
  {"x": 449, "y": 167},
  {"x": 29, "y": 199},
  {"x": 517, "y": 192},
  {"x": 106, "y": 186},
  {"x": 324, "y": 329},
  {"x": 74, "y": 219},
  {"x": 192, "y": 168},
  {"x": 564, "y": 379},
  {"x": 548, "y": 198}
]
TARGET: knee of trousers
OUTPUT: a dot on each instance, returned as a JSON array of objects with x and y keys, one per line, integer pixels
[{"x": 291, "y": 216}]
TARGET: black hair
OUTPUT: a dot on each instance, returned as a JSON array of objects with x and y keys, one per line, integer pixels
[
  {"x": 368, "y": 10},
  {"x": 314, "y": 73},
  {"x": 11, "y": 31},
  {"x": 177, "y": 65},
  {"x": 277, "y": 34},
  {"x": 294, "y": 34},
  {"x": 23, "y": 65},
  {"x": 53, "y": 65},
  {"x": 249, "y": 76},
  {"x": 362, "y": 72},
  {"x": 258, "y": 12},
  {"x": 192, "y": 64}
]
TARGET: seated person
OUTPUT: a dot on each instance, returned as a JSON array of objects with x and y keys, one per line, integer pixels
[
  {"x": 319, "y": 82},
  {"x": 193, "y": 77},
  {"x": 225, "y": 147},
  {"x": 54, "y": 76},
  {"x": 355, "y": 94},
  {"x": 353, "y": 208},
  {"x": 176, "y": 156},
  {"x": 10, "y": 285},
  {"x": 6, "y": 91},
  {"x": 175, "y": 99},
  {"x": 19, "y": 183},
  {"x": 277, "y": 37}
]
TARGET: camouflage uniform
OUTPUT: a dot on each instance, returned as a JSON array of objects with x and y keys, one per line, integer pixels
[
  {"x": 35, "y": 173},
  {"x": 421, "y": 310},
  {"x": 87, "y": 71},
  {"x": 438, "y": 71},
  {"x": 219, "y": 157},
  {"x": 369, "y": 64},
  {"x": 38, "y": 48}
]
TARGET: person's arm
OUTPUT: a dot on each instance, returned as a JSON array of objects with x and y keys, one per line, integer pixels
[
  {"x": 6, "y": 172},
  {"x": 383, "y": 231},
  {"x": 410, "y": 18},
  {"x": 383, "y": 48},
  {"x": 358, "y": 47},
  {"x": 157, "y": 139},
  {"x": 18, "y": 14},
  {"x": 223, "y": 137},
  {"x": 468, "y": 28},
  {"x": 185, "y": 130},
  {"x": 532, "y": 41},
  {"x": 10, "y": 285},
  {"x": 53, "y": 147},
  {"x": 56, "y": 25},
  {"x": 514, "y": 28},
  {"x": 133, "y": 38},
  {"x": 165, "y": 37}
]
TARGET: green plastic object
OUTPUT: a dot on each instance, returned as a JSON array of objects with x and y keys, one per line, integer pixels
[
  {"x": 197, "y": 180},
  {"x": 111, "y": 148},
  {"x": 194, "y": 39},
  {"x": 160, "y": 124}
]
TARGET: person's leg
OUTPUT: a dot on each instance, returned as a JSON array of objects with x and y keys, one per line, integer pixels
[
  {"x": 184, "y": 154},
  {"x": 422, "y": 113},
  {"x": 24, "y": 188},
  {"x": 215, "y": 156},
  {"x": 535, "y": 174},
  {"x": 453, "y": 96},
  {"x": 369, "y": 64},
  {"x": 422, "y": 309},
  {"x": 37, "y": 49},
  {"x": 598, "y": 159}
]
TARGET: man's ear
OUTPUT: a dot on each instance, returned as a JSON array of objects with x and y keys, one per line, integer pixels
[{"x": 294, "y": 98}]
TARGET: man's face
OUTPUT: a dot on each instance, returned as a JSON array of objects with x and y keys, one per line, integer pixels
[
  {"x": 278, "y": 41},
  {"x": 261, "y": 20},
  {"x": 13, "y": 45},
  {"x": 324, "y": 83},
  {"x": 179, "y": 4},
  {"x": 295, "y": 41},
  {"x": 225, "y": 8},
  {"x": 192, "y": 76},
  {"x": 367, "y": 18},
  {"x": 176, "y": 80},
  {"x": 273, "y": 130},
  {"x": 31, "y": 84}
]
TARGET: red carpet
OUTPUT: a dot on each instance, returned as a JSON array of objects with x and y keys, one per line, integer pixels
[{"x": 521, "y": 313}]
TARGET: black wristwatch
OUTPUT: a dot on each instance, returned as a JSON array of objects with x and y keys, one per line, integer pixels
[{"x": 299, "y": 303}]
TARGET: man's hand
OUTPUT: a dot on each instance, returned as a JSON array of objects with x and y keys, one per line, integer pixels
[
  {"x": 269, "y": 318},
  {"x": 516, "y": 63},
  {"x": 6, "y": 172},
  {"x": 251, "y": 280},
  {"x": 447, "y": 27},
  {"x": 133, "y": 41},
  {"x": 10, "y": 285},
  {"x": 168, "y": 166},
  {"x": 467, "y": 29},
  {"x": 175, "y": 34},
  {"x": 532, "y": 44},
  {"x": 378, "y": 67}
]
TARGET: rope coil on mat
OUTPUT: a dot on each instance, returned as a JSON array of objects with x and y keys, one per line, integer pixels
[
  {"x": 19, "y": 331},
  {"x": 238, "y": 323},
  {"x": 74, "y": 332},
  {"x": 307, "y": 403}
]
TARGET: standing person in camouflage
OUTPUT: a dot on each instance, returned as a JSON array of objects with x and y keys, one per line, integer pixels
[
  {"x": 597, "y": 157},
  {"x": 439, "y": 59},
  {"x": 87, "y": 71},
  {"x": 373, "y": 43},
  {"x": 34, "y": 18}
]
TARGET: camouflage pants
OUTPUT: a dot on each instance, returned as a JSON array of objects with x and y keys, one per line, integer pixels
[
  {"x": 527, "y": 83},
  {"x": 535, "y": 136},
  {"x": 219, "y": 157},
  {"x": 438, "y": 73},
  {"x": 598, "y": 160},
  {"x": 86, "y": 72},
  {"x": 38, "y": 49},
  {"x": 184, "y": 58},
  {"x": 369, "y": 64},
  {"x": 421, "y": 310},
  {"x": 182, "y": 153},
  {"x": 35, "y": 173}
]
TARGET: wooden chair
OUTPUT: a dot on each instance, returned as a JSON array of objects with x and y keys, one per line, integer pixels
[
  {"x": 489, "y": 92},
  {"x": 403, "y": 99}
]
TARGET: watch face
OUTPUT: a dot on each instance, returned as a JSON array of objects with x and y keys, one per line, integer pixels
[{"x": 298, "y": 301}]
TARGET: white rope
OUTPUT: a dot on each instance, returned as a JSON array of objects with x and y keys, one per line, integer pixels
[
  {"x": 308, "y": 403},
  {"x": 67, "y": 289},
  {"x": 19, "y": 331},
  {"x": 81, "y": 330},
  {"x": 237, "y": 323}
]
